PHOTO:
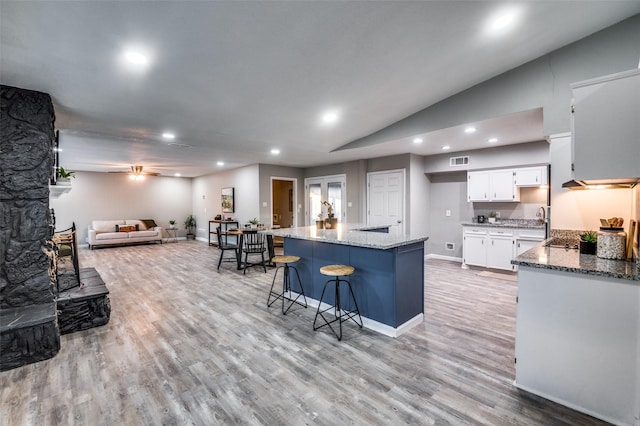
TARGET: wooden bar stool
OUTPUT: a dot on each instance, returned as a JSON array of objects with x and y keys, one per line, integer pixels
[
  {"x": 286, "y": 283},
  {"x": 341, "y": 315}
]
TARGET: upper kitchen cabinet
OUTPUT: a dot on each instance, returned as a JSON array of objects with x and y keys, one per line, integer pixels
[
  {"x": 531, "y": 176},
  {"x": 606, "y": 127},
  {"x": 492, "y": 185}
]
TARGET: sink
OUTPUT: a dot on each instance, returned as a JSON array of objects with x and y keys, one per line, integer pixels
[{"x": 558, "y": 242}]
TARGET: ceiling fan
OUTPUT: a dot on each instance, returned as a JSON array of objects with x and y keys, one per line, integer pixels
[{"x": 136, "y": 172}]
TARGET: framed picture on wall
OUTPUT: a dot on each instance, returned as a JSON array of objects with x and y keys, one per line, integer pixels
[{"x": 227, "y": 200}]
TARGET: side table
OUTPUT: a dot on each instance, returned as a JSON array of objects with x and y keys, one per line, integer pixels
[{"x": 173, "y": 235}]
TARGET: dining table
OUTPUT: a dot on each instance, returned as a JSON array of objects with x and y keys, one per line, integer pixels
[{"x": 239, "y": 234}]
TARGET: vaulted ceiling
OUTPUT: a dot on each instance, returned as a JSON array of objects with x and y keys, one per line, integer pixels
[{"x": 234, "y": 80}]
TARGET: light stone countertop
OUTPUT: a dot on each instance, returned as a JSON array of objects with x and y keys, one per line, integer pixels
[
  {"x": 350, "y": 234},
  {"x": 509, "y": 223},
  {"x": 570, "y": 260}
]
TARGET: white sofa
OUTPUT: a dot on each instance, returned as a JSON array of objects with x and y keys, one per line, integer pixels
[{"x": 103, "y": 233}]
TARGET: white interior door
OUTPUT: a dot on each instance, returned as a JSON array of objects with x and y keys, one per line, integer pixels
[
  {"x": 326, "y": 188},
  {"x": 385, "y": 199}
]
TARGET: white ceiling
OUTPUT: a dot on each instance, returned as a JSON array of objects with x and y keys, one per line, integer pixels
[{"x": 233, "y": 80}]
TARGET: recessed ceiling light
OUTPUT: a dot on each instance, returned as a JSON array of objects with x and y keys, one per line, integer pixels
[
  {"x": 417, "y": 140},
  {"x": 446, "y": 147},
  {"x": 177, "y": 175},
  {"x": 136, "y": 57},
  {"x": 275, "y": 151},
  {"x": 470, "y": 129},
  {"x": 220, "y": 163},
  {"x": 168, "y": 135},
  {"x": 492, "y": 140},
  {"x": 502, "y": 21},
  {"x": 330, "y": 117}
]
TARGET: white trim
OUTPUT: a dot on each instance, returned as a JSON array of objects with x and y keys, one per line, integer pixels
[
  {"x": 442, "y": 257},
  {"x": 569, "y": 404},
  {"x": 370, "y": 324},
  {"x": 404, "y": 195},
  {"x": 295, "y": 197}
]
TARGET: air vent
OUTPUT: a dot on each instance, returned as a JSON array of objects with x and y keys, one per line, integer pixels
[{"x": 459, "y": 161}]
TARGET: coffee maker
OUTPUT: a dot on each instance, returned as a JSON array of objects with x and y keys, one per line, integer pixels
[{"x": 481, "y": 218}]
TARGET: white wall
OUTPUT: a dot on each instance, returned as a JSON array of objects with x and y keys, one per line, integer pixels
[
  {"x": 207, "y": 202},
  {"x": 96, "y": 196},
  {"x": 419, "y": 192},
  {"x": 581, "y": 209}
]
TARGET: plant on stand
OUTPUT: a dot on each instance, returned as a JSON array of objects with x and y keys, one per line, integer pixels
[
  {"x": 172, "y": 224},
  {"x": 588, "y": 242},
  {"x": 190, "y": 225}
]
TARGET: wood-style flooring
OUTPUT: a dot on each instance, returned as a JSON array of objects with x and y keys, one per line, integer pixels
[{"x": 187, "y": 344}]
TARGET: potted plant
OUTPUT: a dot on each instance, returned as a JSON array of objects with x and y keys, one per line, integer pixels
[
  {"x": 588, "y": 242},
  {"x": 492, "y": 217},
  {"x": 64, "y": 176},
  {"x": 190, "y": 225},
  {"x": 172, "y": 223},
  {"x": 320, "y": 222},
  {"x": 330, "y": 221},
  {"x": 254, "y": 222}
]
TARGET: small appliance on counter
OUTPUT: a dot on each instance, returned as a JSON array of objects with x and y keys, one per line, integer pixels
[{"x": 482, "y": 219}]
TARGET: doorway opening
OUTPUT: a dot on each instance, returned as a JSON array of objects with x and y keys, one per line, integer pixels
[{"x": 283, "y": 202}]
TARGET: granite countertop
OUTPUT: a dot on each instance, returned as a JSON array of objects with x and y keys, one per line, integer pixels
[
  {"x": 509, "y": 223},
  {"x": 570, "y": 260},
  {"x": 350, "y": 234}
]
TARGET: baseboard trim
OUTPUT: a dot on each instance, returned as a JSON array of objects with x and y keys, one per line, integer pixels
[
  {"x": 370, "y": 324},
  {"x": 442, "y": 257},
  {"x": 569, "y": 404}
]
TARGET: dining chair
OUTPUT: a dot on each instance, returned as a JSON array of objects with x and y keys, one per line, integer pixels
[
  {"x": 254, "y": 244},
  {"x": 223, "y": 245}
]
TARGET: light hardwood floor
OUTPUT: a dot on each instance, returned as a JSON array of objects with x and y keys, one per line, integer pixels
[{"x": 187, "y": 344}]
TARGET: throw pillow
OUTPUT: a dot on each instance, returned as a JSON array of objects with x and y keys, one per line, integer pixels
[
  {"x": 149, "y": 223},
  {"x": 126, "y": 228}
]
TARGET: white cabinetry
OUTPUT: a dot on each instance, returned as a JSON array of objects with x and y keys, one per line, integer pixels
[
  {"x": 491, "y": 247},
  {"x": 500, "y": 245},
  {"x": 606, "y": 128},
  {"x": 473, "y": 247},
  {"x": 531, "y": 176},
  {"x": 493, "y": 185},
  {"x": 478, "y": 186}
]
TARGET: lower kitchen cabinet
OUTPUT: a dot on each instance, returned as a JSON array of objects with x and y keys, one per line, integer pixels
[
  {"x": 491, "y": 247},
  {"x": 500, "y": 253}
]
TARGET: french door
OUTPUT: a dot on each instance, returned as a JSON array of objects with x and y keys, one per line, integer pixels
[{"x": 325, "y": 188}]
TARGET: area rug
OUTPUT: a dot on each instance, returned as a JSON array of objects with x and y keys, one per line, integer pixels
[{"x": 507, "y": 277}]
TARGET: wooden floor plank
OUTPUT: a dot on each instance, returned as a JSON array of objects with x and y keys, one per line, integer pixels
[{"x": 188, "y": 344}]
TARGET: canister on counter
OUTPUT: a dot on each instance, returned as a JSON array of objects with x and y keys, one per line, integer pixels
[{"x": 612, "y": 243}]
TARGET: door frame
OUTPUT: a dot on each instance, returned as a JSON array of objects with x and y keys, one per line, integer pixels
[
  {"x": 295, "y": 198},
  {"x": 404, "y": 195}
]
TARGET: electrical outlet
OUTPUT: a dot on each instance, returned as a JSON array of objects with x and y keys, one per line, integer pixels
[
  {"x": 447, "y": 213},
  {"x": 449, "y": 246},
  {"x": 497, "y": 215}
]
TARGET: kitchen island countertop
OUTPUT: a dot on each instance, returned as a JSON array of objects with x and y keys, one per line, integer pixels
[
  {"x": 350, "y": 234},
  {"x": 570, "y": 260}
]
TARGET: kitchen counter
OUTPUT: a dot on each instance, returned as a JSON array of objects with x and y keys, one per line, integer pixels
[
  {"x": 510, "y": 223},
  {"x": 350, "y": 234},
  {"x": 570, "y": 260}
]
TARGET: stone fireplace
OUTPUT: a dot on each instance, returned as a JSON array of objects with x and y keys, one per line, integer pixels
[{"x": 28, "y": 324}]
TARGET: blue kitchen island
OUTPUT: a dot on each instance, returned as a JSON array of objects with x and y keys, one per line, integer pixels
[{"x": 388, "y": 281}]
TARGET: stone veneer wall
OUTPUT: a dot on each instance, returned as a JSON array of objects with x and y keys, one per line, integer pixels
[{"x": 27, "y": 273}]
